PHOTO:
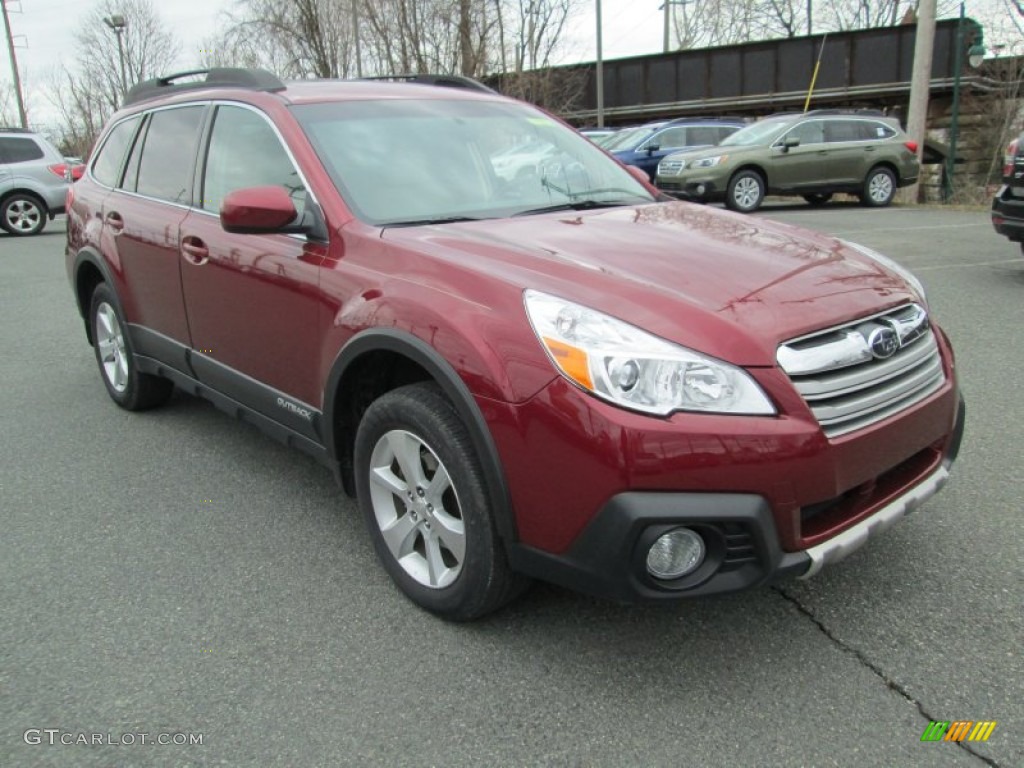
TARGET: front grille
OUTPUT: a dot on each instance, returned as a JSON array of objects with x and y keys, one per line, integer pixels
[
  {"x": 866, "y": 371},
  {"x": 673, "y": 186},
  {"x": 670, "y": 167}
]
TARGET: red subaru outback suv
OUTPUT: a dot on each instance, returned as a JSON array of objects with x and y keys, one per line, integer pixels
[{"x": 550, "y": 372}]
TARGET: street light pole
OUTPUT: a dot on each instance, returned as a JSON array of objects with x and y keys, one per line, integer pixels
[{"x": 117, "y": 24}]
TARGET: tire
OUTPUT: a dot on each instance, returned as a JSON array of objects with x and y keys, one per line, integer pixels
[
  {"x": 745, "y": 192},
  {"x": 23, "y": 214},
  {"x": 130, "y": 389},
  {"x": 818, "y": 198},
  {"x": 435, "y": 535},
  {"x": 879, "y": 188}
]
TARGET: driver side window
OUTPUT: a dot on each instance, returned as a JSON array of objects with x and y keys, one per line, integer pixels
[{"x": 245, "y": 152}]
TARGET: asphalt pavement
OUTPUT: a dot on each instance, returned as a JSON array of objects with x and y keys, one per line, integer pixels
[{"x": 177, "y": 575}]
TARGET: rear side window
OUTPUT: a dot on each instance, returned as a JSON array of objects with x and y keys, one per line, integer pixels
[
  {"x": 245, "y": 152},
  {"x": 107, "y": 165},
  {"x": 165, "y": 168},
  {"x": 843, "y": 130},
  {"x": 19, "y": 150}
]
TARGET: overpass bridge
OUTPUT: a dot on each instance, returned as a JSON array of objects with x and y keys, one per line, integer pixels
[{"x": 870, "y": 67}]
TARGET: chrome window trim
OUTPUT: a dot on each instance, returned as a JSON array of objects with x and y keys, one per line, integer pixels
[{"x": 141, "y": 115}]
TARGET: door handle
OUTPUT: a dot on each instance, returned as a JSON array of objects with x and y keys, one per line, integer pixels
[
  {"x": 869, "y": 149},
  {"x": 194, "y": 250},
  {"x": 115, "y": 222}
]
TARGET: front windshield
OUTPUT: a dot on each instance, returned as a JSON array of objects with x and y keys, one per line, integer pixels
[
  {"x": 406, "y": 161},
  {"x": 759, "y": 133}
]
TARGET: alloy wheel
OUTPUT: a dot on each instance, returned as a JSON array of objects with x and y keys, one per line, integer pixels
[
  {"x": 417, "y": 509},
  {"x": 110, "y": 343}
]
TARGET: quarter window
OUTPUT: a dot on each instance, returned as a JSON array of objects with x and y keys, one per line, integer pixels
[
  {"x": 245, "y": 152},
  {"x": 106, "y": 168},
  {"x": 876, "y": 131},
  {"x": 165, "y": 168}
]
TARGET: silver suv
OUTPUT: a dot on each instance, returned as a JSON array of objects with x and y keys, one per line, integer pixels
[{"x": 32, "y": 185}]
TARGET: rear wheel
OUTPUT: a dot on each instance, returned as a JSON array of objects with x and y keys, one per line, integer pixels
[
  {"x": 130, "y": 389},
  {"x": 423, "y": 495},
  {"x": 745, "y": 192},
  {"x": 818, "y": 198},
  {"x": 879, "y": 187},
  {"x": 23, "y": 214}
]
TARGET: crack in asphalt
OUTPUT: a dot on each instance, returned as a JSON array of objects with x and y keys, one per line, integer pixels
[{"x": 876, "y": 670}]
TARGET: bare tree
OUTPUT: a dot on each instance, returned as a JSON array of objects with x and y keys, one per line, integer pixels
[{"x": 87, "y": 90}]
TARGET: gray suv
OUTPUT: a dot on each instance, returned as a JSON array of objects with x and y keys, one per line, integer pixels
[{"x": 32, "y": 185}]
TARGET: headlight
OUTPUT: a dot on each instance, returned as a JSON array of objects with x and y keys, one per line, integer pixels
[
  {"x": 708, "y": 162},
  {"x": 633, "y": 369},
  {"x": 888, "y": 263}
]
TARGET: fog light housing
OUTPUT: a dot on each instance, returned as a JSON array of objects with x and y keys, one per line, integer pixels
[
  {"x": 701, "y": 189},
  {"x": 675, "y": 554}
]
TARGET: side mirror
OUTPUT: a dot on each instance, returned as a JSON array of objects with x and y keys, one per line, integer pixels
[
  {"x": 652, "y": 148},
  {"x": 268, "y": 210},
  {"x": 790, "y": 142}
]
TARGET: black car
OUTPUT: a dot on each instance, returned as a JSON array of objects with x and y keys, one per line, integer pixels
[{"x": 1008, "y": 205}]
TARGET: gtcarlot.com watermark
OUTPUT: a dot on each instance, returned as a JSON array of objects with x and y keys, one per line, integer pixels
[{"x": 57, "y": 736}]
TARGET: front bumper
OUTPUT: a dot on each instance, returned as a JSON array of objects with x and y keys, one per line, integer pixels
[
  {"x": 691, "y": 189},
  {"x": 1008, "y": 215},
  {"x": 741, "y": 533}
]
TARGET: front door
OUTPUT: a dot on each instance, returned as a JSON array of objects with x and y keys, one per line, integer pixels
[{"x": 252, "y": 300}]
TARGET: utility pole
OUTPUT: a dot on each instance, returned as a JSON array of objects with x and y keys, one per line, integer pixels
[
  {"x": 668, "y": 22},
  {"x": 600, "y": 71},
  {"x": 920, "y": 84},
  {"x": 14, "y": 67}
]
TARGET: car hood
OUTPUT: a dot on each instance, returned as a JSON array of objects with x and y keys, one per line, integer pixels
[
  {"x": 718, "y": 150},
  {"x": 729, "y": 285}
]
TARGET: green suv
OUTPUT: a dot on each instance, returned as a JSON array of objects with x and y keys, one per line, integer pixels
[{"x": 814, "y": 154}]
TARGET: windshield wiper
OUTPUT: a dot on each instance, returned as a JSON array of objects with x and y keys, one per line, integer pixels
[
  {"x": 574, "y": 205},
  {"x": 427, "y": 222}
]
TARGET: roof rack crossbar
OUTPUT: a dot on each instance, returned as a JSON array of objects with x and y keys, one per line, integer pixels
[{"x": 219, "y": 77}]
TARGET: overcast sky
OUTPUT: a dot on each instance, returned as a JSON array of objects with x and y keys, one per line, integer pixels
[{"x": 44, "y": 35}]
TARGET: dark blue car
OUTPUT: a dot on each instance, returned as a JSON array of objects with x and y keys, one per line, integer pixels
[{"x": 645, "y": 145}]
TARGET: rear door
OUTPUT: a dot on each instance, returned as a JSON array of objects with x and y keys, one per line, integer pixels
[
  {"x": 141, "y": 220},
  {"x": 849, "y": 148},
  {"x": 252, "y": 299}
]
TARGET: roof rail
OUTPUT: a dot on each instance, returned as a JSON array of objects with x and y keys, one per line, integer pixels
[
  {"x": 849, "y": 111},
  {"x": 222, "y": 77},
  {"x": 450, "y": 81},
  {"x": 14, "y": 129}
]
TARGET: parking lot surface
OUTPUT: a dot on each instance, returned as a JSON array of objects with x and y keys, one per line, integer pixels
[{"x": 175, "y": 572}]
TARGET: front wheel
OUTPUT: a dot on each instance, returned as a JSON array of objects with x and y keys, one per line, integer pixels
[
  {"x": 424, "y": 498},
  {"x": 23, "y": 214},
  {"x": 745, "y": 192},
  {"x": 879, "y": 188},
  {"x": 126, "y": 385}
]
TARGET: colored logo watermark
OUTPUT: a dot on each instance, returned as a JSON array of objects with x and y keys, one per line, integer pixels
[{"x": 958, "y": 730}]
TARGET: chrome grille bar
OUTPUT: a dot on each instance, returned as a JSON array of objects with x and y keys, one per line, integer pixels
[{"x": 866, "y": 371}]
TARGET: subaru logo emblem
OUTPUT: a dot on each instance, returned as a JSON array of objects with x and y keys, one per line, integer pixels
[{"x": 884, "y": 342}]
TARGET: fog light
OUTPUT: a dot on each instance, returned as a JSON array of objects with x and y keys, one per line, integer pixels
[
  {"x": 701, "y": 189},
  {"x": 675, "y": 554}
]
